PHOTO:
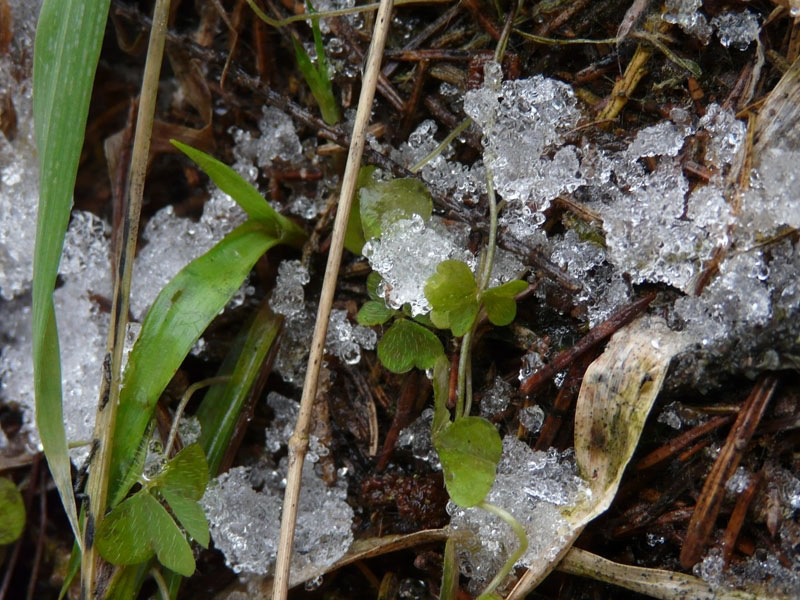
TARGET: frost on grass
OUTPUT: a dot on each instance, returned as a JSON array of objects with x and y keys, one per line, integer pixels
[
  {"x": 344, "y": 339},
  {"x": 534, "y": 487},
  {"x": 243, "y": 507}
]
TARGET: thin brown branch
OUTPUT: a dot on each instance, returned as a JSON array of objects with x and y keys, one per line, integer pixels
[{"x": 711, "y": 497}]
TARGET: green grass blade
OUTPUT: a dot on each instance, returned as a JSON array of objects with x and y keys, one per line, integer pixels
[
  {"x": 178, "y": 317},
  {"x": 245, "y": 195},
  {"x": 318, "y": 79},
  {"x": 219, "y": 411},
  {"x": 68, "y": 39}
]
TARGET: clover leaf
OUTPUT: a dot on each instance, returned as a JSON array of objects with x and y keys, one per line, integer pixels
[
  {"x": 469, "y": 449},
  {"x": 501, "y": 308},
  {"x": 384, "y": 202},
  {"x": 13, "y": 510},
  {"x": 407, "y": 344},
  {"x": 453, "y": 295},
  {"x": 140, "y": 526}
]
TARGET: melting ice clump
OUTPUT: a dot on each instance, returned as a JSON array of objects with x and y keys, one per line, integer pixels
[
  {"x": 343, "y": 340},
  {"x": 685, "y": 14},
  {"x": 532, "y": 486},
  {"x": 407, "y": 255},
  {"x": 82, "y": 329},
  {"x": 417, "y": 437},
  {"x": 243, "y": 507},
  {"x": 522, "y": 121},
  {"x": 736, "y": 29}
]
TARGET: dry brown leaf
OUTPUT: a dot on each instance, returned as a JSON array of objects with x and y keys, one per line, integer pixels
[
  {"x": 618, "y": 391},
  {"x": 666, "y": 585}
]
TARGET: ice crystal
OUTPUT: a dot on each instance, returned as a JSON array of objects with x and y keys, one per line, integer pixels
[
  {"x": 82, "y": 327},
  {"x": 685, "y": 14},
  {"x": 19, "y": 169},
  {"x": 532, "y": 418},
  {"x": 245, "y": 521},
  {"x": 344, "y": 339},
  {"x": 521, "y": 121},
  {"x": 173, "y": 242},
  {"x": 496, "y": 398},
  {"x": 417, "y": 437}
]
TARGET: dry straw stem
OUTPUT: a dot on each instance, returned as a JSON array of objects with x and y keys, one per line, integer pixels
[
  {"x": 298, "y": 443},
  {"x": 657, "y": 583},
  {"x": 109, "y": 393}
]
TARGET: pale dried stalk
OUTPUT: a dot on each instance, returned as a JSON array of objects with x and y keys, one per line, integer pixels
[
  {"x": 298, "y": 443},
  {"x": 105, "y": 421}
]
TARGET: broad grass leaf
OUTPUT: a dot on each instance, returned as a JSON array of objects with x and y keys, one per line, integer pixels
[
  {"x": 453, "y": 295},
  {"x": 69, "y": 35},
  {"x": 469, "y": 449},
  {"x": 12, "y": 508},
  {"x": 384, "y": 202},
  {"x": 407, "y": 344},
  {"x": 245, "y": 195},
  {"x": 220, "y": 409},
  {"x": 501, "y": 308},
  {"x": 374, "y": 312},
  {"x": 177, "y": 318}
]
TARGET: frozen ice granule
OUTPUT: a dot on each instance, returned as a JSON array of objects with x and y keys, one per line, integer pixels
[
  {"x": 496, "y": 398},
  {"x": 685, "y": 13},
  {"x": 288, "y": 298},
  {"x": 736, "y": 29},
  {"x": 407, "y": 255},
  {"x": 661, "y": 139},
  {"x": 532, "y": 418}
]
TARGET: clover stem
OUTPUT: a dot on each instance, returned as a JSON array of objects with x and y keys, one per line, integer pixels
[
  {"x": 442, "y": 145},
  {"x": 512, "y": 560},
  {"x": 182, "y": 405},
  {"x": 488, "y": 263},
  {"x": 463, "y": 362}
]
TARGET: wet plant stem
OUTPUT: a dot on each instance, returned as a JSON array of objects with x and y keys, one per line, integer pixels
[
  {"x": 107, "y": 409},
  {"x": 442, "y": 145},
  {"x": 512, "y": 560},
  {"x": 464, "y": 389},
  {"x": 187, "y": 395}
]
